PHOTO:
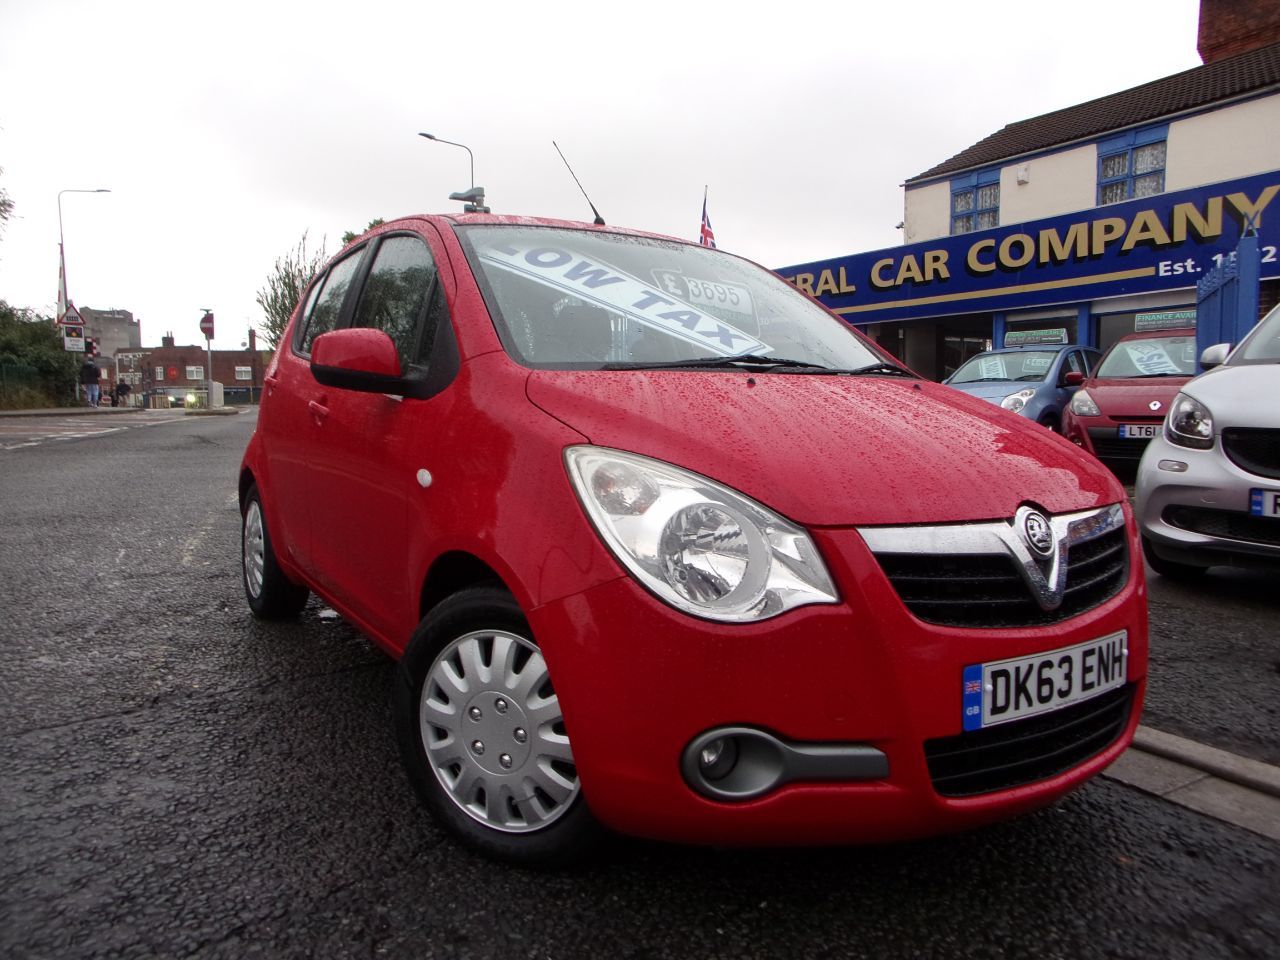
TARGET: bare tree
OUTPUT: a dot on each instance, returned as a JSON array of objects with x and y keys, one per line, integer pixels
[
  {"x": 6, "y": 207},
  {"x": 285, "y": 286}
]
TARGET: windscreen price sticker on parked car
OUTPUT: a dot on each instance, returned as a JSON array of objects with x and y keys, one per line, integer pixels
[
  {"x": 606, "y": 286},
  {"x": 1005, "y": 690},
  {"x": 1264, "y": 503},
  {"x": 713, "y": 295}
]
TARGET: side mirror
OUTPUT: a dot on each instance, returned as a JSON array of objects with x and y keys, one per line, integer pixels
[
  {"x": 1073, "y": 378},
  {"x": 1215, "y": 355},
  {"x": 359, "y": 359}
]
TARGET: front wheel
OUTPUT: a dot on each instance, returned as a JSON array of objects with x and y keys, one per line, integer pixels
[
  {"x": 1169, "y": 568},
  {"x": 271, "y": 595},
  {"x": 483, "y": 737}
]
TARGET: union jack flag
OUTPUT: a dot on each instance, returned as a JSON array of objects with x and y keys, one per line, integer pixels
[
  {"x": 973, "y": 686},
  {"x": 708, "y": 236}
]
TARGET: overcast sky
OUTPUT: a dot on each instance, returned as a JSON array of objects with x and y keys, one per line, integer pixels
[{"x": 224, "y": 130}]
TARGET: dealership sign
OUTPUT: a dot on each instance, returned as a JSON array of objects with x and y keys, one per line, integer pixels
[{"x": 1157, "y": 243}]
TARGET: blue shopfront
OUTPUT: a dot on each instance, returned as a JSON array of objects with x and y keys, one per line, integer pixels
[{"x": 1095, "y": 274}]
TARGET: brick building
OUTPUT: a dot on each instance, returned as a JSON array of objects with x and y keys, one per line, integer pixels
[{"x": 178, "y": 370}]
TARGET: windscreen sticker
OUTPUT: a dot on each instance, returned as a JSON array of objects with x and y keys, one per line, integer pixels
[
  {"x": 615, "y": 290},
  {"x": 1035, "y": 363},
  {"x": 711, "y": 295},
  {"x": 992, "y": 368},
  {"x": 1150, "y": 358}
]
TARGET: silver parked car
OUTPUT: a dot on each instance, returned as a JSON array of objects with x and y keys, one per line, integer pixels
[{"x": 1209, "y": 487}]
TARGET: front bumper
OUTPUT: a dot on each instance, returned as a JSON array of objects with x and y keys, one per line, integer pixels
[
  {"x": 1200, "y": 515},
  {"x": 639, "y": 683}
]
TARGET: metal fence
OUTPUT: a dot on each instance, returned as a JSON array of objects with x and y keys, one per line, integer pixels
[{"x": 16, "y": 376}]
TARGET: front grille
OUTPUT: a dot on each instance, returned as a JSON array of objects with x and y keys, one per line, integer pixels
[
  {"x": 986, "y": 590},
  {"x": 1025, "y": 751},
  {"x": 1113, "y": 448},
  {"x": 1253, "y": 450},
  {"x": 1226, "y": 524}
]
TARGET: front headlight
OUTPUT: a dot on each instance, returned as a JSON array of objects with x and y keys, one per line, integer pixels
[
  {"x": 1016, "y": 401},
  {"x": 700, "y": 546},
  {"x": 1189, "y": 423},
  {"x": 1082, "y": 405}
]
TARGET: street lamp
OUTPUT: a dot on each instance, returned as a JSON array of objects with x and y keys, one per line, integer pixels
[
  {"x": 60, "y": 193},
  {"x": 472, "y": 199}
]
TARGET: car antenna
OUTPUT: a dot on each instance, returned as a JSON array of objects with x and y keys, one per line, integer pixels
[{"x": 599, "y": 221}]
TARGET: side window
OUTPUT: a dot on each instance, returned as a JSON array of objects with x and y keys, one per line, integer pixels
[
  {"x": 328, "y": 307},
  {"x": 1075, "y": 363},
  {"x": 394, "y": 298}
]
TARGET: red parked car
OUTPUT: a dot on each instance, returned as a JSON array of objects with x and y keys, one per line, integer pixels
[
  {"x": 663, "y": 546},
  {"x": 1122, "y": 404}
]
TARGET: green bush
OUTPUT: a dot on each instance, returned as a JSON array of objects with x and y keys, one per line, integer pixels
[{"x": 38, "y": 372}]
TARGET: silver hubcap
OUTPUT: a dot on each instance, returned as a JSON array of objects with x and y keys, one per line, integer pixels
[
  {"x": 255, "y": 547},
  {"x": 494, "y": 735}
]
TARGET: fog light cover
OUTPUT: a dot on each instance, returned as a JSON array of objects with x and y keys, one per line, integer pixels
[
  {"x": 717, "y": 759},
  {"x": 698, "y": 545}
]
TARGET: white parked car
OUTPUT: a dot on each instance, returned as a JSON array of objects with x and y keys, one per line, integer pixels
[{"x": 1209, "y": 487}]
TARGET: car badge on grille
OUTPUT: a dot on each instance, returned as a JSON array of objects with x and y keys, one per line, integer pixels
[
  {"x": 1039, "y": 534},
  {"x": 1154, "y": 404}
]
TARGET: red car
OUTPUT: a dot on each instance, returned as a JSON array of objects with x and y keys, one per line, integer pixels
[
  {"x": 663, "y": 546},
  {"x": 1122, "y": 404}
]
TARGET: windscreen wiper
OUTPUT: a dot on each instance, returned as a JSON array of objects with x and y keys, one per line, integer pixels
[
  {"x": 892, "y": 369},
  {"x": 742, "y": 361}
]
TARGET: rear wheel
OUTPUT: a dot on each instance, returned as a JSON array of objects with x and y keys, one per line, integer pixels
[
  {"x": 1169, "y": 568},
  {"x": 271, "y": 595},
  {"x": 483, "y": 737}
]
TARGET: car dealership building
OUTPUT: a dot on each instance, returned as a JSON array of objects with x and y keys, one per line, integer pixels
[{"x": 1084, "y": 224}]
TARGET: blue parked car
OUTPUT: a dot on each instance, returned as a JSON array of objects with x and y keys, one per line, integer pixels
[{"x": 1029, "y": 380}]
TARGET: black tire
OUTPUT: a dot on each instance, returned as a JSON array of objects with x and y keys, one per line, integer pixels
[
  {"x": 1169, "y": 568},
  {"x": 271, "y": 595},
  {"x": 480, "y": 807},
  {"x": 1051, "y": 422}
]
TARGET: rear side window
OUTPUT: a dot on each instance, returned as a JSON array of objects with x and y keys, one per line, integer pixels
[
  {"x": 394, "y": 297},
  {"x": 328, "y": 307}
]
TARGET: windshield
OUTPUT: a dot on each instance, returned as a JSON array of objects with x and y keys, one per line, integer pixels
[
  {"x": 1262, "y": 344},
  {"x": 1150, "y": 357},
  {"x": 578, "y": 299},
  {"x": 1022, "y": 365}
]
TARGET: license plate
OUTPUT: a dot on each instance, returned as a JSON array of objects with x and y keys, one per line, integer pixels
[
  {"x": 1006, "y": 690},
  {"x": 1264, "y": 503},
  {"x": 1139, "y": 431}
]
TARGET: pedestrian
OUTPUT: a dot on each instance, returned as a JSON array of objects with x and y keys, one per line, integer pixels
[
  {"x": 122, "y": 391},
  {"x": 91, "y": 379}
]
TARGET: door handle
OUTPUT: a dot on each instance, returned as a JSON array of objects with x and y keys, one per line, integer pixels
[
  {"x": 270, "y": 381},
  {"x": 318, "y": 410}
]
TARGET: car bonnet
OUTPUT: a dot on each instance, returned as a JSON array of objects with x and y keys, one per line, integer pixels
[{"x": 832, "y": 450}]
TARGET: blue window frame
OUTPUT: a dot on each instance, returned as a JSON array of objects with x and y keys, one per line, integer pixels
[
  {"x": 975, "y": 202},
  {"x": 1132, "y": 166}
]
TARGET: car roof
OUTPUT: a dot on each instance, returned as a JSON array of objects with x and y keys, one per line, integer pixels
[
  {"x": 1035, "y": 346},
  {"x": 1150, "y": 334},
  {"x": 499, "y": 219}
]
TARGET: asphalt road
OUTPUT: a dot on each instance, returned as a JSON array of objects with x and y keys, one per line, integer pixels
[{"x": 178, "y": 780}]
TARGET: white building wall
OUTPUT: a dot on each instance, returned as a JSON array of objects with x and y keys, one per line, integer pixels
[
  {"x": 1057, "y": 183},
  {"x": 928, "y": 212},
  {"x": 1237, "y": 141}
]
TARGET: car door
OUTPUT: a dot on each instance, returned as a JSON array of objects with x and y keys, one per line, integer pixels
[
  {"x": 372, "y": 458},
  {"x": 287, "y": 420}
]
